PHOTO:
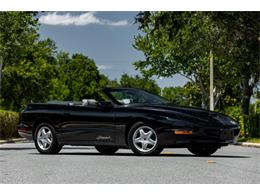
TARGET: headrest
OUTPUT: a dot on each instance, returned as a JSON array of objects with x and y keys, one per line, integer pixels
[{"x": 86, "y": 102}]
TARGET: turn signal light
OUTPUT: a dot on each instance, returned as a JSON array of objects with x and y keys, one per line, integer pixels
[{"x": 182, "y": 132}]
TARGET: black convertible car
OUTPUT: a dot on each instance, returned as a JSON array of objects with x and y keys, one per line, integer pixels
[{"x": 126, "y": 118}]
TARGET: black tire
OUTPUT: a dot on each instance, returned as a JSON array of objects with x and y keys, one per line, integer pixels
[
  {"x": 54, "y": 147},
  {"x": 106, "y": 149},
  {"x": 156, "y": 149},
  {"x": 203, "y": 150}
]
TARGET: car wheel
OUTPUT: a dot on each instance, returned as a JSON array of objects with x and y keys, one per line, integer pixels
[
  {"x": 143, "y": 140},
  {"x": 106, "y": 149},
  {"x": 45, "y": 139},
  {"x": 203, "y": 150}
]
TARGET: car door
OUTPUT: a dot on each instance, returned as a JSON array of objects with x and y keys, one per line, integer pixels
[{"x": 89, "y": 124}]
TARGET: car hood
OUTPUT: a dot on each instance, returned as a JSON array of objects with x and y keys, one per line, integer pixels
[{"x": 191, "y": 113}]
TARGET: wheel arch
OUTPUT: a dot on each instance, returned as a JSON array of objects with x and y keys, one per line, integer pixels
[{"x": 132, "y": 122}]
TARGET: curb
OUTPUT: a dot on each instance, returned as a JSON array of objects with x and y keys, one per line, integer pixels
[
  {"x": 13, "y": 140},
  {"x": 248, "y": 144}
]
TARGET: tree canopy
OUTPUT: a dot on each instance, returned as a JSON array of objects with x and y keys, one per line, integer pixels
[
  {"x": 139, "y": 82},
  {"x": 18, "y": 33},
  {"x": 34, "y": 71},
  {"x": 180, "y": 42},
  {"x": 176, "y": 95},
  {"x": 28, "y": 63},
  {"x": 80, "y": 78}
]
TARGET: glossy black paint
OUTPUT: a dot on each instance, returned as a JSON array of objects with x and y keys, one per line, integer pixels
[{"x": 109, "y": 123}]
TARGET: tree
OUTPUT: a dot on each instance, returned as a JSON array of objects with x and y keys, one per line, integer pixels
[
  {"x": 25, "y": 83},
  {"x": 30, "y": 79},
  {"x": 59, "y": 91},
  {"x": 18, "y": 32},
  {"x": 175, "y": 95},
  {"x": 34, "y": 71},
  {"x": 177, "y": 42},
  {"x": 139, "y": 82},
  {"x": 242, "y": 43},
  {"x": 28, "y": 63},
  {"x": 113, "y": 83},
  {"x": 180, "y": 42},
  {"x": 62, "y": 58},
  {"x": 80, "y": 78}
]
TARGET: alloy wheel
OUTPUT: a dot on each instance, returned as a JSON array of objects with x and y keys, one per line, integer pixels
[
  {"x": 144, "y": 139},
  {"x": 44, "y": 138}
]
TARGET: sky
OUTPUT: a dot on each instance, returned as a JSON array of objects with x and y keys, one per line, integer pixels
[{"x": 105, "y": 37}]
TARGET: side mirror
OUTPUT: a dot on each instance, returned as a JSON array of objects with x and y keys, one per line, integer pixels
[{"x": 105, "y": 105}]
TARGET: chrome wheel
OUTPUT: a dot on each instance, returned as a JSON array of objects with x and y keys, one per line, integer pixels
[
  {"x": 44, "y": 138},
  {"x": 144, "y": 139}
]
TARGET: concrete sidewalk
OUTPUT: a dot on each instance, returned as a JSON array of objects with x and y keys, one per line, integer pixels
[{"x": 16, "y": 140}]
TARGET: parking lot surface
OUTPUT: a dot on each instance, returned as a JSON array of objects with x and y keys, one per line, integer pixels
[{"x": 21, "y": 163}]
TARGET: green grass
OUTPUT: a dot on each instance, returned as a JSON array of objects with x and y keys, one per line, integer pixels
[{"x": 251, "y": 140}]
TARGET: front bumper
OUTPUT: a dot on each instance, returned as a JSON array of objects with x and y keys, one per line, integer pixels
[{"x": 218, "y": 136}]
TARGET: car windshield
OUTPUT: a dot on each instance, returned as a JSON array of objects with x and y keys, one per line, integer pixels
[{"x": 135, "y": 96}]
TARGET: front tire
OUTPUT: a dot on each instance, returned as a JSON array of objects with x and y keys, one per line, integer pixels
[
  {"x": 45, "y": 139},
  {"x": 143, "y": 140},
  {"x": 107, "y": 150},
  {"x": 203, "y": 150}
]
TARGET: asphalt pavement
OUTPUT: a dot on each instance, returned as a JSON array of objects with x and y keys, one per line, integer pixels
[{"x": 21, "y": 163}]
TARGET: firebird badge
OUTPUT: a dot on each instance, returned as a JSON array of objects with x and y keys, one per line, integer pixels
[{"x": 103, "y": 138}]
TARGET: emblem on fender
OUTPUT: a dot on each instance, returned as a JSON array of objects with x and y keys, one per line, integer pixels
[{"x": 103, "y": 138}]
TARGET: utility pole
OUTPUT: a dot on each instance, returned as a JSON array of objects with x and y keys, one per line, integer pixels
[{"x": 211, "y": 82}]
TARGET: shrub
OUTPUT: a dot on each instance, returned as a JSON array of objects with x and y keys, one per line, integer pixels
[
  {"x": 252, "y": 125},
  {"x": 8, "y": 124},
  {"x": 249, "y": 125}
]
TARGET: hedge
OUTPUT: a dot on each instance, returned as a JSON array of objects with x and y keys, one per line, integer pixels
[
  {"x": 249, "y": 125},
  {"x": 8, "y": 124}
]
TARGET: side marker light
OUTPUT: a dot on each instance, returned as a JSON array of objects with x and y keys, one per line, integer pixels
[{"x": 182, "y": 132}]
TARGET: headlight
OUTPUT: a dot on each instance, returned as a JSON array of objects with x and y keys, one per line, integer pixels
[
  {"x": 233, "y": 122},
  {"x": 226, "y": 120}
]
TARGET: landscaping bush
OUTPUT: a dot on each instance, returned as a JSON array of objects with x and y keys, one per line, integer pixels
[
  {"x": 252, "y": 125},
  {"x": 8, "y": 124},
  {"x": 249, "y": 125}
]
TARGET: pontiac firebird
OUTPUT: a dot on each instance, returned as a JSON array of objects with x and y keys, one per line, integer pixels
[{"x": 126, "y": 118}]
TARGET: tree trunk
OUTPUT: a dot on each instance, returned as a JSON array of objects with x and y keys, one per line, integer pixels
[
  {"x": 211, "y": 78},
  {"x": 247, "y": 93},
  {"x": 204, "y": 94},
  {"x": 204, "y": 102}
]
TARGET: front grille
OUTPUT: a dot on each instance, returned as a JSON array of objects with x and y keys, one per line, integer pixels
[
  {"x": 227, "y": 134},
  {"x": 212, "y": 132}
]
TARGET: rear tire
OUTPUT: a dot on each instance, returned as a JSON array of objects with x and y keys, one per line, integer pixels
[
  {"x": 143, "y": 140},
  {"x": 106, "y": 149},
  {"x": 203, "y": 150},
  {"x": 45, "y": 139}
]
